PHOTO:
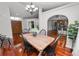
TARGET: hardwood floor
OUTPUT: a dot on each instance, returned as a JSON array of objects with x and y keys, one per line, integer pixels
[
  {"x": 18, "y": 50},
  {"x": 61, "y": 50}
]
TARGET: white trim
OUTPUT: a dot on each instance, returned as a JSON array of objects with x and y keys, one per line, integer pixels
[{"x": 15, "y": 18}]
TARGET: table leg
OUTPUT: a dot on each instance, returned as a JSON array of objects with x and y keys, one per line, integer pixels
[{"x": 40, "y": 53}]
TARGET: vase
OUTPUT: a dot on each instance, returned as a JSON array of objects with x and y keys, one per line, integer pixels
[{"x": 34, "y": 34}]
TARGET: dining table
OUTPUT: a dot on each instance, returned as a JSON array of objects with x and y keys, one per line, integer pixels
[{"x": 40, "y": 42}]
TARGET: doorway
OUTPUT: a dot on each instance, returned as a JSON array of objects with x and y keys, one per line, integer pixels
[
  {"x": 57, "y": 25},
  {"x": 16, "y": 31}
]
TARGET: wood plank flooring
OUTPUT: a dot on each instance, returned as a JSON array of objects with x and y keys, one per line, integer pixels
[{"x": 18, "y": 50}]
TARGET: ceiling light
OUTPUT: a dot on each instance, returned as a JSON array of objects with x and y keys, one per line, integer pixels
[
  {"x": 35, "y": 9},
  {"x": 31, "y": 8},
  {"x": 28, "y": 6}
]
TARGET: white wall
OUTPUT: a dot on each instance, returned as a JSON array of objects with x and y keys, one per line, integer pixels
[
  {"x": 5, "y": 22},
  {"x": 71, "y": 11},
  {"x": 40, "y": 19}
]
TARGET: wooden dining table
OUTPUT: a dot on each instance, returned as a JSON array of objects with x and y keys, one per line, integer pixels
[{"x": 40, "y": 42}]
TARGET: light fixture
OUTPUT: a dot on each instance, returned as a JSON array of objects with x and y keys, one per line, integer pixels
[
  {"x": 31, "y": 8},
  {"x": 15, "y": 18}
]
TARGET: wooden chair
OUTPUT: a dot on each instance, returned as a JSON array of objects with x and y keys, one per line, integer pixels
[
  {"x": 42, "y": 32},
  {"x": 50, "y": 50},
  {"x": 7, "y": 42},
  {"x": 6, "y": 46},
  {"x": 2, "y": 39},
  {"x": 27, "y": 47},
  {"x": 26, "y": 30}
]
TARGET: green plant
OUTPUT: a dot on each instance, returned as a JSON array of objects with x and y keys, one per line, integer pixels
[{"x": 72, "y": 31}]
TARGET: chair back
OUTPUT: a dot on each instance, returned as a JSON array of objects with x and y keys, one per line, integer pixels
[
  {"x": 42, "y": 32},
  {"x": 26, "y": 30},
  {"x": 21, "y": 35},
  {"x": 2, "y": 38},
  {"x": 5, "y": 41},
  {"x": 27, "y": 46},
  {"x": 50, "y": 50},
  {"x": 56, "y": 40},
  {"x": 24, "y": 40}
]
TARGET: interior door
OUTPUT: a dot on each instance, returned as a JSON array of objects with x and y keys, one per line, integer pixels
[
  {"x": 16, "y": 31},
  {"x": 16, "y": 26}
]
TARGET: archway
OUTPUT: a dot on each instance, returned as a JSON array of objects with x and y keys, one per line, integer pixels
[{"x": 57, "y": 24}]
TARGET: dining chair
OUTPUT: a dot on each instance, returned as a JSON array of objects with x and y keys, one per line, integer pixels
[
  {"x": 2, "y": 38},
  {"x": 26, "y": 30},
  {"x": 7, "y": 42},
  {"x": 27, "y": 47},
  {"x": 42, "y": 32},
  {"x": 0, "y": 41},
  {"x": 50, "y": 50}
]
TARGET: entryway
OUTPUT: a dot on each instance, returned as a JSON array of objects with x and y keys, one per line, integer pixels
[{"x": 57, "y": 25}]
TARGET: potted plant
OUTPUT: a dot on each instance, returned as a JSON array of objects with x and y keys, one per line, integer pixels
[{"x": 34, "y": 31}]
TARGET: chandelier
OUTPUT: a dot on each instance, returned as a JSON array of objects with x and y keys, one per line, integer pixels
[{"x": 31, "y": 8}]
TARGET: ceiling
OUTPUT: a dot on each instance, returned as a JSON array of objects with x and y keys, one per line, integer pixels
[
  {"x": 46, "y": 5},
  {"x": 18, "y": 8}
]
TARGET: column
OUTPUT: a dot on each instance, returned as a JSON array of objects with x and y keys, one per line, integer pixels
[{"x": 76, "y": 46}]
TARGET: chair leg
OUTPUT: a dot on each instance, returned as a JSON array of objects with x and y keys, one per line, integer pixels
[
  {"x": 9, "y": 43},
  {"x": 1, "y": 43},
  {"x": 24, "y": 50}
]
